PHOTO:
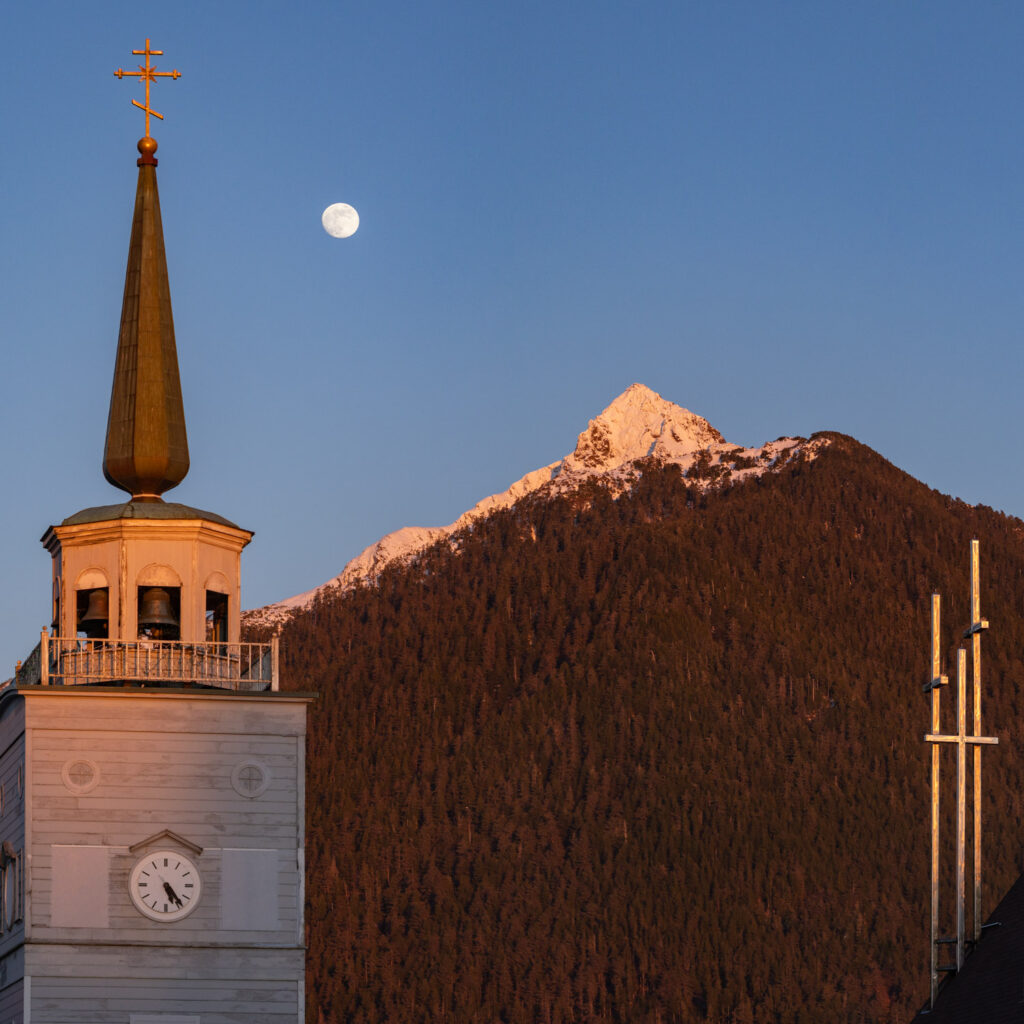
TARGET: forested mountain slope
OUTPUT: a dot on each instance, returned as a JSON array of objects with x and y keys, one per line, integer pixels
[{"x": 657, "y": 758}]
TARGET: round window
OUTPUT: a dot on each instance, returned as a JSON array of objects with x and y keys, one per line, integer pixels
[
  {"x": 250, "y": 779},
  {"x": 80, "y": 775}
]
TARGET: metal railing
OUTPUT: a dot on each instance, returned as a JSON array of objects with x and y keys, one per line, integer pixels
[
  {"x": 64, "y": 661},
  {"x": 29, "y": 670}
]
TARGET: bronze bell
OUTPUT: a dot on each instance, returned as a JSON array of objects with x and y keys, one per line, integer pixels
[
  {"x": 94, "y": 620},
  {"x": 155, "y": 610}
]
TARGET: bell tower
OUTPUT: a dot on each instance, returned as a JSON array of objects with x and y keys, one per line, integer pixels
[
  {"x": 146, "y": 569},
  {"x": 152, "y": 773}
]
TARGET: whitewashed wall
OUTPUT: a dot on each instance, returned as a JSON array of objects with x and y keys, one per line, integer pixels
[
  {"x": 82, "y": 985},
  {"x": 105, "y": 772},
  {"x": 12, "y": 876},
  {"x": 12, "y": 1003}
]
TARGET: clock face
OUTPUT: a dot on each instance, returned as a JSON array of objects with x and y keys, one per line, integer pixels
[{"x": 165, "y": 885}]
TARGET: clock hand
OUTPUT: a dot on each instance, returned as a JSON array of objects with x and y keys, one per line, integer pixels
[{"x": 172, "y": 894}]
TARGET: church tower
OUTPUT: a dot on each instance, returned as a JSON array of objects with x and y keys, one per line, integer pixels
[{"x": 152, "y": 774}]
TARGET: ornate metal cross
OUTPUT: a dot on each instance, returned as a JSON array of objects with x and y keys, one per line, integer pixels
[{"x": 147, "y": 73}]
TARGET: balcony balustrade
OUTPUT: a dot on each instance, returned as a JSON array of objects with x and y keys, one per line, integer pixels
[{"x": 65, "y": 661}]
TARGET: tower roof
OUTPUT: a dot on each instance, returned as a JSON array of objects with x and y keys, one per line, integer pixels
[
  {"x": 146, "y": 450},
  {"x": 164, "y": 510}
]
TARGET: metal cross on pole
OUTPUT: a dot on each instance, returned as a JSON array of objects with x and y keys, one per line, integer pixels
[
  {"x": 938, "y": 680},
  {"x": 962, "y": 741},
  {"x": 974, "y": 630},
  {"x": 147, "y": 73}
]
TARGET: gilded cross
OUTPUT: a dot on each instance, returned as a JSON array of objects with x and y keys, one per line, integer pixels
[{"x": 147, "y": 72}]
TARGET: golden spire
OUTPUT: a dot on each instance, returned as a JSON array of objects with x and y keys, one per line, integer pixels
[
  {"x": 146, "y": 450},
  {"x": 147, "y": 73}
]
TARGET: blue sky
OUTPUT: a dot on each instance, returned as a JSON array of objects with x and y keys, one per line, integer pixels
[{"x": 786, "y": 217}]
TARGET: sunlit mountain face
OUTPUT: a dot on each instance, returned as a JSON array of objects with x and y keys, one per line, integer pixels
[{"x": 638, "y": 431}]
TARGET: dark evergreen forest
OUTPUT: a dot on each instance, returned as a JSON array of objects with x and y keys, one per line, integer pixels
[{"x": 653, "y": 759}]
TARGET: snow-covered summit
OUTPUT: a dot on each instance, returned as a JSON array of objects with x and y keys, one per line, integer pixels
[{"x": 639, "y": 424}]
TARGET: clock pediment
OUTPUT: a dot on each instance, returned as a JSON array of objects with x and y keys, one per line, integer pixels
[{"x": 161, "y": 838}]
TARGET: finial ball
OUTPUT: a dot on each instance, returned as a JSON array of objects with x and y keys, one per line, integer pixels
[{"x": 147, "y": 145}]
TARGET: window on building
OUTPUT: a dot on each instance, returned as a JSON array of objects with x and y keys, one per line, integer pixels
[
  {"x": 159, "y": 613},
  {"x": 216, "y": 617},
  {"x": 92, "y": 613}
]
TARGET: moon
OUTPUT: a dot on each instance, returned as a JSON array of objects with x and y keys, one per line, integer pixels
[{"x": 340, "y": 220}]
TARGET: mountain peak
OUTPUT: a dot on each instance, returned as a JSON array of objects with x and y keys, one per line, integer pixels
[{"x": 637, "y": 424}]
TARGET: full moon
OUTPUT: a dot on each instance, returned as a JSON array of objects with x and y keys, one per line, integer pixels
[{"x": 340, "y": 220}]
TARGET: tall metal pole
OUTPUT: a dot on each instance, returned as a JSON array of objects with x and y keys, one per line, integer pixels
[
  {"x": 961, "y": 803},
  {"x": 978, "y": 625},
  {"x": 936, "y": 687}
]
